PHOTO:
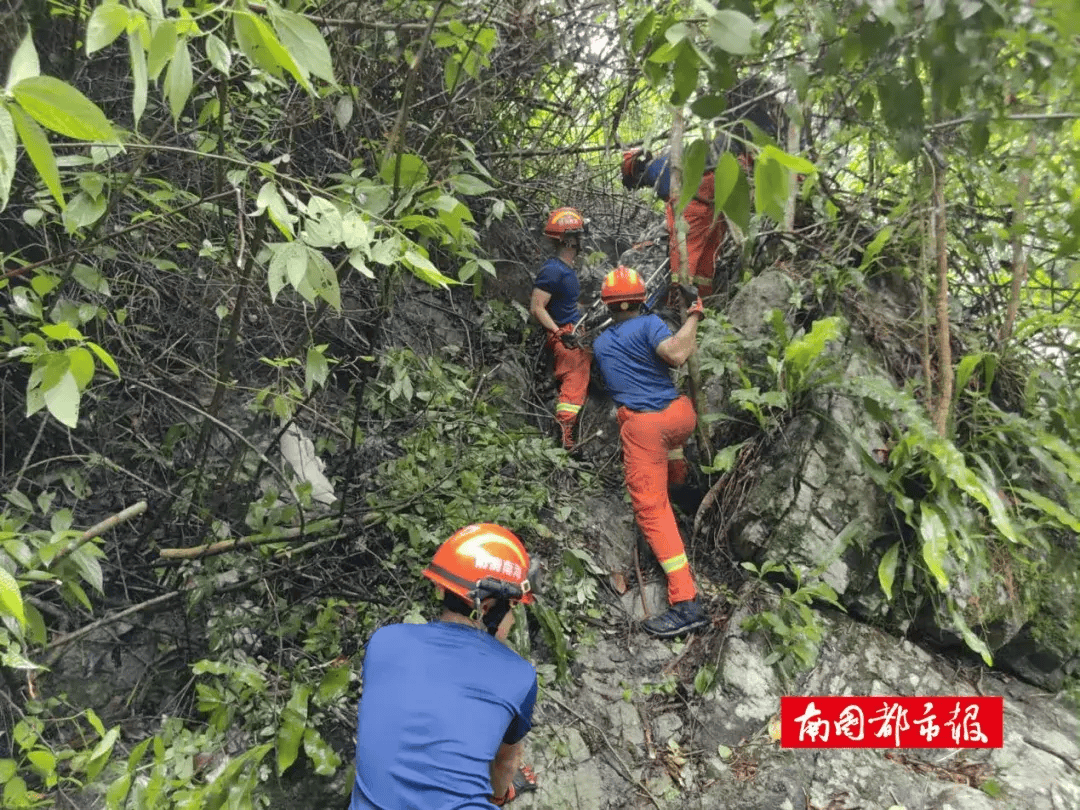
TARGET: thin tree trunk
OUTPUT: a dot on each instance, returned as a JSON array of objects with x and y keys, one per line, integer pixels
[
  {"x": 1019, "y": 258},
  {"x": 683, "y": 271},
  {"x": 944, "y": 346}
]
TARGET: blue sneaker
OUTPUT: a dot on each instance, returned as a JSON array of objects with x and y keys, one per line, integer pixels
[{"x": 682, "y": 617}]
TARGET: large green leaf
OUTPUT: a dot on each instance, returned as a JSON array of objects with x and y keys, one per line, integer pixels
[
  {"x": 58, "y": 106},
  {"x": 37, "y": 147},
  {"x": 424, "y": 270},
  {"x": 291, "y": 730},
  {"x": 732, "y": 31},
  {"x": 935, "y": 543},
  {"x": 288, "y": 262},
  {"x": 139, "y": 75},
  {"x": 10, "y": 597},
  {"x": 24, "y": 63},
  {"x": 693, "y": 170},
  {"x": 1051, "y": 508},
  {"x": 322, "y": 278},
  {"x": 725, "y": 178},
  {"x": 737, "y": 205},
  {"x": 106, "y": 23},
  {"x": 178, "y": 80},
  {"x": 8, "y": 141},
  {"x": 770, "y": 188},
  {"x": 887, "y": 569},
  {"x": 303, "y": 41},
  {"x": 62, "y": 400},
  {"x": 162, "y": 48}
]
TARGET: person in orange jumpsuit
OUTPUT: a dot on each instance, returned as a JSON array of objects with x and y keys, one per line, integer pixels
[
  {"x": 634, "y": 357},
  {"x": 705, "y": 230},
  {"x": 554, "y": 304}
]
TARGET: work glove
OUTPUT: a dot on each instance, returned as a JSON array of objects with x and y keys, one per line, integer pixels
[
  {"x": 524, "y": 782},
  {"x": 689, "y": 294}
]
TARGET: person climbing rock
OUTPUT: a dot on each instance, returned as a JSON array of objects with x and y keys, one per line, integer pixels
[
  {"x": 446, "y": 705},
  {"x": 634, "y": 358},
  {"x": 554, "y": 304},
  {"x": 705, "y": 230}
]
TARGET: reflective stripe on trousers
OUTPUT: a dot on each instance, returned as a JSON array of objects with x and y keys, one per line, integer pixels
[
  {"x": 647, "y": 438},
  {"x": 571, "y": 377}
]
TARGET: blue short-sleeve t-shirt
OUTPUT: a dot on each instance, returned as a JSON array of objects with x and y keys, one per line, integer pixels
[
  {"x": 558, "y": 279},
  {"x": 632, "y": 372},
  {"x": 658, "y": 175},
  {"x": 438, "y": 701}
]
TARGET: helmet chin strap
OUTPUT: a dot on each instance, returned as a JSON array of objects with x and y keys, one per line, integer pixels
[{"x": 496, "y": 613}]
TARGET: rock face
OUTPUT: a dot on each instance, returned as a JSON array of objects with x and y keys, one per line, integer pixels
[
  {"x": 629, "y": 733},
  {"x": 814, "y": 505}
]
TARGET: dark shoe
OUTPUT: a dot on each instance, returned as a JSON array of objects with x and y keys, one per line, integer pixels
[
  {"x": 567, "y": 435},
  {"x": 682, "y": 617}
]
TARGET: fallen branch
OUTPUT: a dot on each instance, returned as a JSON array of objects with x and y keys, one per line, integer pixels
[
  {"x": 254, "y": 540},
  {"x": 97, "y": 530}
]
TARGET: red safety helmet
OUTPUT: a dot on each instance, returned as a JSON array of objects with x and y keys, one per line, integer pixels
[
  {"x": 634, "y": 161},
  {"x": 564, "y": 222},
  {"x": 622, "y": 284},
  {"x": 483, "y": 560}
]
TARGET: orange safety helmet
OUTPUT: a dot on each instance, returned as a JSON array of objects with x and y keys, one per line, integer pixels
[
  {"x": 483, "y": 560},
  {"x": 564, "y": 222},
  {"x": 634, "y": 162},
  {"x": 622, "y": 284}
]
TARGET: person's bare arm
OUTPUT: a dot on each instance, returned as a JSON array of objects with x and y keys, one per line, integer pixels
[
  {"x": 538, "y": 309},
  {"x": 504, "y": 766},
  {"x": 677, "y": 349}
]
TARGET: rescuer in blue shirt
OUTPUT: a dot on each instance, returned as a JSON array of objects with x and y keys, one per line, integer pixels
[
  {"x": 634, "y": 357},
  {"x": 446, "y": 705},
  {"x": 554, "y": 304}
]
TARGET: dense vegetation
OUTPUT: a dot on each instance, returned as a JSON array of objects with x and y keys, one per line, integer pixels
[{"x": 216, "y": 220}]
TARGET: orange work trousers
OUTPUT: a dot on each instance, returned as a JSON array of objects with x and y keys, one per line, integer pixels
[
  {"x": 572, "y": 379},
  {"x": 703, "y": 237},
  {"x": 647, "y": 439}
]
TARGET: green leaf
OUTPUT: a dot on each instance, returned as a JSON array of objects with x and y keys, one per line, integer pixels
[
  {"x": 935, "y": 543},
  {"x": 105, "y": 358},
  {"x": 322, "y": 756},
  {"x": 709, "y": 107},
  {"x": 693, "y": 170},
  {"x": 468, "y": 185},
  {"x": 35, "y": 627},
  {"x": 81, "y": 363},
  {"x": 139, "y": 76},
  {"x": 178, "y": 80},
  {"x": 965, "y": 368},
  {"x": 37, "y": 147},
  {"x": 271, "y": 201},
  {"x": 737, "y": 205},
  {"x": 304, "y": 42},
  {"x": 704, "y": 679},
  {"x": 974, "y": 643},
  {"x": 218, "y": 54},
  {"x": 82, "y": 210},
  {"x": 770, "y": 189},
  {"x": 323, "y": 278},
  {"x": 8, "y": 142},
  {"x": 24, "y": 63},
  {"x": 424, "y": 270},
  {"x": 793, "y": 162},
  {"x": 100, "y": 755},
  {"x": 643, "y": 30},
  {"x": 291, "y": 731},
  {"x": 684, "y": 75},
  {"x": 316, "y": 369},
  {"x": 334, "y": 684},
  {"x": 732, "y": 31},
  {"x": 117, "y": 793},
  {"x": 62, "y": 400},
  {"x": 875, "y": 247},
  {"x": 410, "y": 169},
  {"x": 162, "y": 48},
  {"x": 725, "y": 178},
  {"x": 10, "y": 597},
  {"x": 287, "y": 262},
  {"x": 106, "y": 23},
  {"x": 886, "y": 571},
  {"x": 60, "y": 107},
  {"x": 267, "y": 50},
  {"x": 1050, "y": 508}
]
